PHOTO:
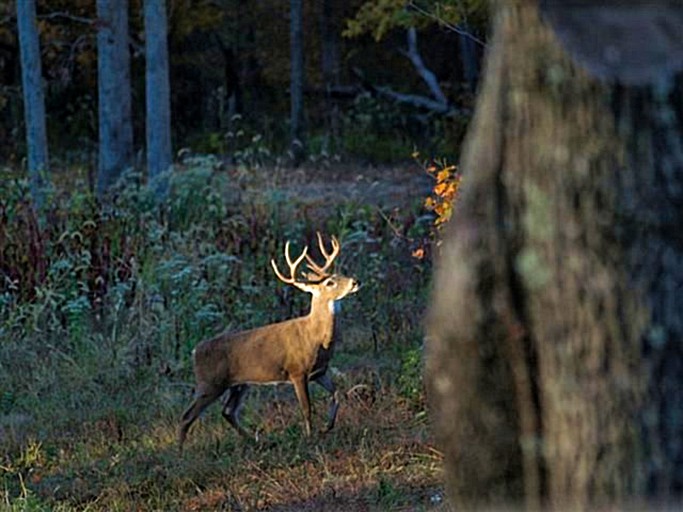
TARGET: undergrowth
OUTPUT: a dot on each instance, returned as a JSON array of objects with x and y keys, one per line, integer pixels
[{"x": 101, "y": 305}]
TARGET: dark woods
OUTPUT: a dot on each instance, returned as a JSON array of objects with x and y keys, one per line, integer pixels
[{"x": 231, "y": 90}]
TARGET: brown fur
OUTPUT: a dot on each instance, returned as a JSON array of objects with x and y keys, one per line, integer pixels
[{"x": 295, "y": 351}]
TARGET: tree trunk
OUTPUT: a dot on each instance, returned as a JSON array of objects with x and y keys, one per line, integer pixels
[
  {"x": 329, "y": 66},
  {"x": 555, "y": 359},
  {"x": 114, "y": 94},
  {"x": 158, "y": 96},
  {"x": 297, "y": 81},
  {"x": 232, "y": 86},
  {"x": 34, "y": 98}
]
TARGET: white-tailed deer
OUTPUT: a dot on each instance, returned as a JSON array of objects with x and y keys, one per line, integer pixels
[{"x": 296, "y": 350}]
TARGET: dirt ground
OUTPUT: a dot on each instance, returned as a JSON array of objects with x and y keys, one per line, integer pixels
[{"x": 384, "y": 187}]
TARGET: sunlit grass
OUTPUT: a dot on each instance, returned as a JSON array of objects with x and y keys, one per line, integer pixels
[{"x": 89, "y": 402}]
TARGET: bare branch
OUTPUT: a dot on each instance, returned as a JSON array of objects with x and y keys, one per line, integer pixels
[
  {"x": 422, "y": 102},
  {"x": 430, "y": 104},
  {"x": 416, "y": 100},
  {"x": 425, "y": 73},
  {"x": 68, "y": 16},
  {"x": 454, "y": 28},
  {"x": 393, "y": 227}
]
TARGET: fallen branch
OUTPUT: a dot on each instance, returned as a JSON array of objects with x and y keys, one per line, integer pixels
[
  {"x": 415, "y": 100},
  {"x": 425, "y": 73}
]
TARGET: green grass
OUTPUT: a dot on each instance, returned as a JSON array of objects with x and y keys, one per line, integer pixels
[{"x": 99, "y": 312}]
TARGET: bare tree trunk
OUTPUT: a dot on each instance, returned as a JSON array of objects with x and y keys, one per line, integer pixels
[
  {"x": 34, "y": 98},
  {"x": 297, "y": 81},
  {"x": 330, "y": 66},
  {"x": 114, "y": 94},
  {"x": 158, "y": 96},
  {"x": 555, "y": 359},
  {"x": 232, "y": 85}
]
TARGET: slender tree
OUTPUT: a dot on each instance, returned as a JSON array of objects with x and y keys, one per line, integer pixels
[
  {"x": 555, "y": 365},
  {"x": 34, "y": 98},
  {"x": 114, "y": 93},
  {"x": 297, "y": 80},
  {"x": 329, "y": 65},
  {"x": 157, "y": 94}
]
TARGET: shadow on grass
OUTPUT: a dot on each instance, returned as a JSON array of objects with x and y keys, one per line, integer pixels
[{"x": 377, "y": 458}]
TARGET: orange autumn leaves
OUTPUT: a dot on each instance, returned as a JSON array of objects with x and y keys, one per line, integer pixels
[{"x": 444, "y": 194}]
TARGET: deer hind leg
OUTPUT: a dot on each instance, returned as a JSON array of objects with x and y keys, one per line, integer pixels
[
  {"x": 327, "y": 383},
  {"x": 301, "y": 389},
  {"x": 202, "y": 399},
  {"x": 232, "y": 406}
]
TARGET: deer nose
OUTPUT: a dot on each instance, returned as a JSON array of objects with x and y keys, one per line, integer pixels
[{"x": 356, "y": 284}]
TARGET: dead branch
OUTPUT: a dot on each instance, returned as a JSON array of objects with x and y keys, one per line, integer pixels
[
  {"x": 453, "y": 28},
  {"x": 425, "y": 73},
  {"x": 67, "y": 16}
]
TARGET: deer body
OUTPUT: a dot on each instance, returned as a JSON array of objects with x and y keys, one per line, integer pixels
[
  {"x": 296, "y": 350},
  {"x": 260, "y": 355}
]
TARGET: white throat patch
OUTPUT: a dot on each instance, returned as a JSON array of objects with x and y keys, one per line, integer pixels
[{"x": 335, "y": 306}]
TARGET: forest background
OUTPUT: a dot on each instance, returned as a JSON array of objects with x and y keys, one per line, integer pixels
[
  {"x": 552, "y": 347},
  {"x": 282, "y": 119},
  {"x": 363, "y": 79}
]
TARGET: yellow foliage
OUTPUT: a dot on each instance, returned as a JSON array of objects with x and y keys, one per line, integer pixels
[
  {"x": 445, "y": 191},
  {"x": 378, "y": 17},
  {"x": 187, "y": 16},
  {"x": 441, "y": 200}
]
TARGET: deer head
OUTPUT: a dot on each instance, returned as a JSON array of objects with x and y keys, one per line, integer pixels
[{"x": 325, "y": 286}]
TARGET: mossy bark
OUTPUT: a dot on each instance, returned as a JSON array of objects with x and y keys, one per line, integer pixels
[{"x": 555, "y": 339}]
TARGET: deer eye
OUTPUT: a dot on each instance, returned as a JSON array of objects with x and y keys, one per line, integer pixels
[{"x": 330, "y": 283}]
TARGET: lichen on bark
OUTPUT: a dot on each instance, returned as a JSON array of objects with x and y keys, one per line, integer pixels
[{"x": 554, "y": 338}]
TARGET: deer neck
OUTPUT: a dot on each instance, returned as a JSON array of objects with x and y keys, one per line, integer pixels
[{"x": 321, "y": 319}]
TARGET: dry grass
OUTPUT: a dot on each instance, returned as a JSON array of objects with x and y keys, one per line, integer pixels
[
  {"x": 379, "y": 457},
  {"x": 88, "y": 422}
]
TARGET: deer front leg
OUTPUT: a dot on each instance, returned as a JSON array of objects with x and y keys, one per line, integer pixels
[
  {"x": 326, "y": 382},
  {"x": 301, "y": 389}
]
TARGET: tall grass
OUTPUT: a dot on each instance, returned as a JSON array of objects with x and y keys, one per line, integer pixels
[{"x": 101, "y": 305}]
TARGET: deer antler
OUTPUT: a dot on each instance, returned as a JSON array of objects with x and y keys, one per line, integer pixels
[
  {"x": 292, "y": 267},
  {"x": 329, "y": 257}
]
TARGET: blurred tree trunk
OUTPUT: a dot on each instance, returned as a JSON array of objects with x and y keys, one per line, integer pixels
[
  {"x": 158, "y": 96},
  {"x": 555, "y": 337},
  {"x": 297, "y": 81},
  {"x": 114, "y": 93},
  {"x": 329, "y": 66},
  {"x": 34, "y": 98}
]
